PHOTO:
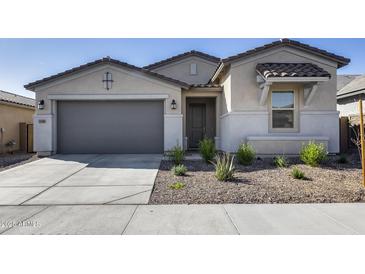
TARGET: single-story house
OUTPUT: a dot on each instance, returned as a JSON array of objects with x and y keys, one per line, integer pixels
[
  {"x": 349, "y": 95},
  {"x": 275, "y": 97},
  {"x": 14, "y": 109}
]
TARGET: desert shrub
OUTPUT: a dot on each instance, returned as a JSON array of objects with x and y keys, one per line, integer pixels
[
  {"x": 297, "y": 174},
  {"x": 342, "y": 159},
  {"x": 179, "y": 170},
  {"x": 177, "y": 185},
  {"x": 224, "y": 168},
  {"x": 281, "y": 161},
  {"x": 176, "y": 154},
  {"x": 207, "y": 149},
  {"x": 245, "y": 154},
  {"x": 313, "y": 154}
]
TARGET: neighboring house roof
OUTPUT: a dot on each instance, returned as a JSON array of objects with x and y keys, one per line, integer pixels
[
  {"x": 106, "y": 60},
  {"x": 344, "y": 79},
  {"x": 175, "y": 58},
  {"x": 16, "y": 99},
  {"x": 355, "y": 87},
  {"x": 268, "y": 70}
]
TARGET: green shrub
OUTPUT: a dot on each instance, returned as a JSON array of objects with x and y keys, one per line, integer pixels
[
  {"x": 176, "y": 154},
  {"x": 342, "y": 159},
  {"x": 177, "y": 185},
  {"x": 297, "y": 174},
  {"x": 207, "y": 149},
  {"x": 313, "y": 154},
  {"x": 224, "y": 168},
  {"x": 245, "y": 154},
  {"x": 281, "y": 161},
  {"x": 179, "y": 170}
]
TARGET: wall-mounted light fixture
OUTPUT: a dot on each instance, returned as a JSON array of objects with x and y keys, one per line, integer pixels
[
  {"x": 41, "y": 104},
  {"x": 173, "y": 104},
  {"x": 107, "y": 80}
]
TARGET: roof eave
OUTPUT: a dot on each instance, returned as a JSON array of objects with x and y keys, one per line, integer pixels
[
  {"x": 352, "y": 93},
  {"x": 217, "y": 72},
  {"x": 33, "y": 85},
  {"x": 340, "y": 60},
  {"x": 182, "y": 56}
]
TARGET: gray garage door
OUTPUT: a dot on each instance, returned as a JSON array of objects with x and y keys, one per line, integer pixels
[{"x": 110, "y": 127}]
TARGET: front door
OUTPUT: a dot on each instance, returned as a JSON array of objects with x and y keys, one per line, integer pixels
[{"x": 197, "y": 124}]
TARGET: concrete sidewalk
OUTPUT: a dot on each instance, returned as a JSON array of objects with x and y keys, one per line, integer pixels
[{"x": 302, "y": 219}]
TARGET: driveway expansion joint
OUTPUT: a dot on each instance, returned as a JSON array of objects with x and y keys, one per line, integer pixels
[
  {"x": 335, "y": 220},
  {"x": 91, "y": 162},
  {"x": 231, "y": 220},
  {"x": 130, "y": 219}
]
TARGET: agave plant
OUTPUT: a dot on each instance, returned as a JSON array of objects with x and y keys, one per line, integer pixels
[{"x": 224, "y": 168}]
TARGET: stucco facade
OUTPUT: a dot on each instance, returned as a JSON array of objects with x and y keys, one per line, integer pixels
[
  {"x": 243, "y": 118},
  {"x": 127, "y": 85},
  {"x": 181, "y": 70},
  {"x": 241, "y": 94}
]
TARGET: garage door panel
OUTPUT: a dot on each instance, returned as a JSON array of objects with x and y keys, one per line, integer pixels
[{"x": 110, "y": 126}]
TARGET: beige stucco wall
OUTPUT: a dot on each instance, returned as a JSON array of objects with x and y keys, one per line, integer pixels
[
  {"x": 180, "y": 70},
  {"x": 243, "y": 116},
  {"x": 10, "y": 117},
  {"x": 89, "y": 84},
  {"x": 243, "y": 92},
  {"x": 125, "y": 82}
]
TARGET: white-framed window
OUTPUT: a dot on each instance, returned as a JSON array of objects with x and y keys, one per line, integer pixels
[
  {"x": 193, "y": 69},
  {"x": 283, "y": 110}
]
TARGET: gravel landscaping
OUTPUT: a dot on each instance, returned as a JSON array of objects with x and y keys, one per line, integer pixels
[
  {"x": 11, "y": 160},
  {"x": 261, "y": 182}
]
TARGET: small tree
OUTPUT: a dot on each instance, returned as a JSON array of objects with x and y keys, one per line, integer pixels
[{"x": 356, "y": 140}]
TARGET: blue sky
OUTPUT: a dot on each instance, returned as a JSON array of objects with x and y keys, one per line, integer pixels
[{"x": 26, "y": 60}]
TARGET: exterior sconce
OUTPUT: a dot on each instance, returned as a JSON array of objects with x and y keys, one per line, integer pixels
[
  {"x": 173, "y": 104},
  {"x": 41, "y": 104},
  {"x": 107, "y": 80}
]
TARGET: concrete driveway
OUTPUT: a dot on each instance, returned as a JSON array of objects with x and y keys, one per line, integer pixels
[{"x": 81, "y": 179}]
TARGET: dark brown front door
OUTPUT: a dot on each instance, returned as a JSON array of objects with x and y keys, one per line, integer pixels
[{"x": 197, "y": 124}]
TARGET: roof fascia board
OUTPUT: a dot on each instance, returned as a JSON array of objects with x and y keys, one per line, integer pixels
[
  {"x": 205, "y": 89},
  {"x": 179, "y": 57},
  {"x": 100, "y": 67},
  {"x": 291, "y": 45},
  {"x": 16, "y": 105},
  {"x": 353, "y": 93},
  {"x": 217, "y": 72},
  {"x": 182, "y": 61},
  {"x": 296, "y": 79},
  {"x": 269, "y": 52}
]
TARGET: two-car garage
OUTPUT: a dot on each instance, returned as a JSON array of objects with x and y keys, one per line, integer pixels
[
  {"x": 107, "y": 107},
  {"x": 110, "y": 126}
]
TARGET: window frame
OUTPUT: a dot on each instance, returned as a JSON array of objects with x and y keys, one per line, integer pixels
[{"x": 295, "y": 110}]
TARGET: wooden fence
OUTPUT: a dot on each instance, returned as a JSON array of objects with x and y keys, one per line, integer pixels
[{"x": 344, "y": 134}]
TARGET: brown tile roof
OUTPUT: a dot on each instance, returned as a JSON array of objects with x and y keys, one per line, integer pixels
[
  {"x": 16, "y": 99},
  {"x": 268, "y": 70},
  {"x": 342, "y": 61},
  {"x": 106, "y": 60},
  {"x": 182, "y": 56}
]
